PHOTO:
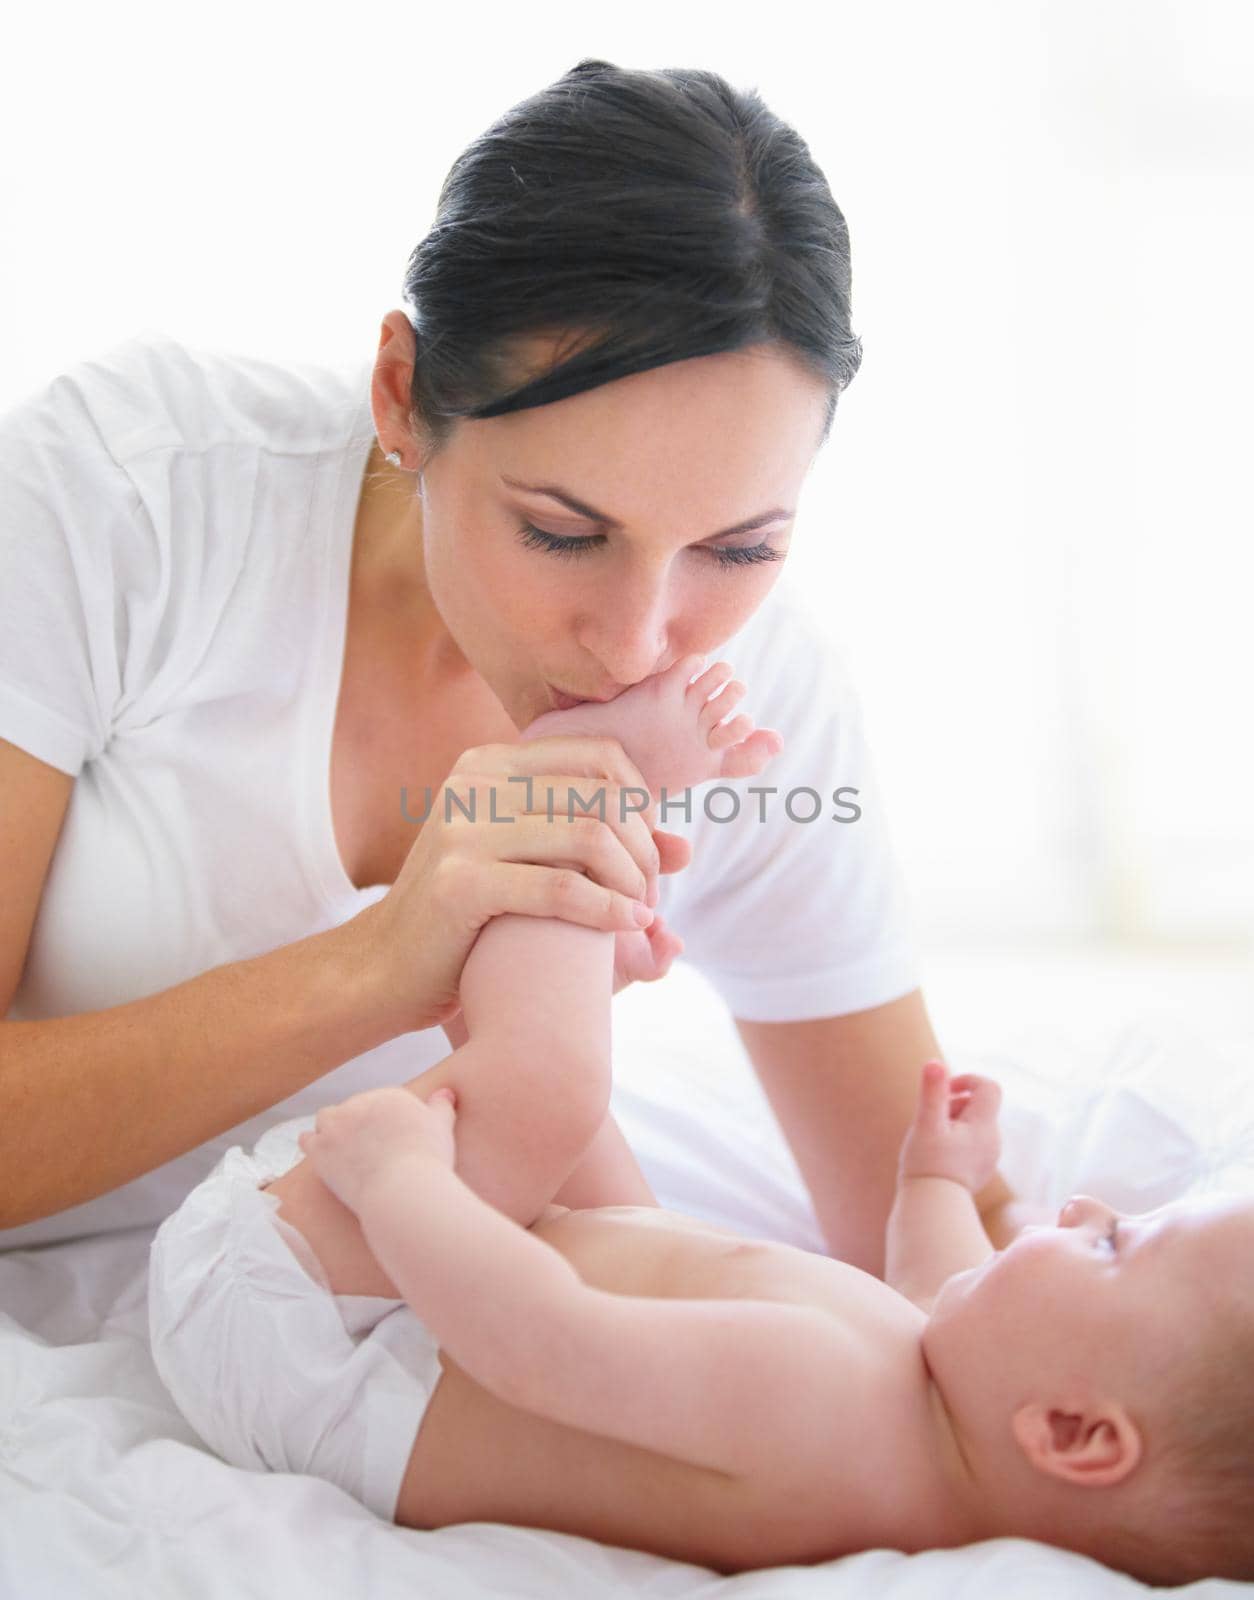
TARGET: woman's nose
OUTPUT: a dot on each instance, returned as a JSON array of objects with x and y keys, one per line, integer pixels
[
  {"x": 651, "y": 610},
  {"x": 630, "y": 644}
]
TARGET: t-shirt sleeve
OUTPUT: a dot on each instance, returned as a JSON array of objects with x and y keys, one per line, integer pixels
[
  {"x": 62, "y": 501},
  {"x": 796, "y": 908}
]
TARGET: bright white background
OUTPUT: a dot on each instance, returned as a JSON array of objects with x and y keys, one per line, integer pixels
[{"x": 1031, "y": 528}]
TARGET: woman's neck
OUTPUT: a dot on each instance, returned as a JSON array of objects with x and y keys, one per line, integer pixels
[{"x": 388, "y": 572}]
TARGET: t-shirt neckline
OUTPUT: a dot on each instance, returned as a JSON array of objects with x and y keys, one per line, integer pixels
[{"x": 332, "y": 880}]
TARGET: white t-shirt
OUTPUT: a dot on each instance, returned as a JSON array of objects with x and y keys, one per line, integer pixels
[{"x": 176, "y": 531}]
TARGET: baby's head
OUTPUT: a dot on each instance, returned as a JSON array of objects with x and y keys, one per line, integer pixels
[{"x": 1100, "y": 1379}]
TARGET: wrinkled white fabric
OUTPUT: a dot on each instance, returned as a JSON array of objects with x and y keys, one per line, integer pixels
[
  {"x": 107, "y": 1492},
  {"x": 272, "y": 1370}
]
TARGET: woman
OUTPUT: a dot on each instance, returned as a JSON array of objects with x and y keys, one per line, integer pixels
[{"x": 240, "y": 623}]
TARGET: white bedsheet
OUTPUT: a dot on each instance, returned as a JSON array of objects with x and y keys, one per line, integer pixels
[{"x": 104, "y": 1490}]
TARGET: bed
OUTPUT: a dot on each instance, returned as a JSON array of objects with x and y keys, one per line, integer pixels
[{"x": 1135, "y": 1087}]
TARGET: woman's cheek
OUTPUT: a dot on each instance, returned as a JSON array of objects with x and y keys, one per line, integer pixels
[{"x": 732, "y": 597}]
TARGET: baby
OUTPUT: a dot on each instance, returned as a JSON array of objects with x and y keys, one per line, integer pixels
[{"x": 407, "y": 1313}]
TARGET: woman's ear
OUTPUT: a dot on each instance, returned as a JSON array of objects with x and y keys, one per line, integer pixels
[{"x": 1083, "y": 1442}]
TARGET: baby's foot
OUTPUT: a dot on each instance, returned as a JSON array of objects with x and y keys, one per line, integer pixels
[{"x": 672, "y": 729}]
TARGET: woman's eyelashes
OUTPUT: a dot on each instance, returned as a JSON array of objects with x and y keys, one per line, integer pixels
[{"x": 726, "y": 556}]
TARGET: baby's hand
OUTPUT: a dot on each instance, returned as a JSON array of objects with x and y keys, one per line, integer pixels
[
  {"x": 353, "y": 1142},
  {"x": 954, "y": 1133}
]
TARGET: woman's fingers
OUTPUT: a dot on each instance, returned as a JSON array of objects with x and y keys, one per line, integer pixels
[
  {"x": 582, "y": 845},
  {"x": 588, "y": 829},
  {"x": 673, "y": 849},
  {"x": 582, "y": 755},
  {"x": 533, "y": 891},
  {"x": 543, "y": 777},
  {"x": 495, "y": 842}
]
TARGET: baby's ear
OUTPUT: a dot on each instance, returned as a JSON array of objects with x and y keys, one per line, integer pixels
[{"x": 1086, "y": 1442}]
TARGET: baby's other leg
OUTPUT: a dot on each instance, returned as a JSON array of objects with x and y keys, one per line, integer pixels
[
  {"x": 526, "y": 1117},
  {"x": 533, "y": 1081},
  {"x": 552, "y": 985},
  {"x": 607, "y": 1174}
]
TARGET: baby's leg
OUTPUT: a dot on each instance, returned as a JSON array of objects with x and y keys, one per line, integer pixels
[
  {"x": 607, "y": 1174},
  {"x": 529, "y": 1101},
  {"x": 538, "y": 989},
  {"x": 525, "y": 1120},
  {"x": 533, "y": 1080}
]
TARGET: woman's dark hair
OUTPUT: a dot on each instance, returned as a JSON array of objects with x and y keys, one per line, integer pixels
[{"x": 653, "y": 216}]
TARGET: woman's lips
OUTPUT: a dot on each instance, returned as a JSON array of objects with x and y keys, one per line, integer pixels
[{"x": 563, "y": 701}]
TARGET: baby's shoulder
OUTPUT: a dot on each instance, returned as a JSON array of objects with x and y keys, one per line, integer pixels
[{"x": 844, "y": 1447}]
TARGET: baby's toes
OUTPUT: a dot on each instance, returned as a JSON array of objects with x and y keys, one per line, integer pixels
[
  {"x": 710, "y": 682},
  {"x": 686, "y": 667},
  {"x": 730, "y": 733},
  {"x": 747, "y": 759},
  {"x": 713, "y": 711}
]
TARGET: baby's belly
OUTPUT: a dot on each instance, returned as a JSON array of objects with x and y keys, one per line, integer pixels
[{"x": 645, "y": 1250}]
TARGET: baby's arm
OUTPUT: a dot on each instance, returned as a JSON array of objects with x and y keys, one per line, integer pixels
[
  {"x": 934, "y": 1230},
  {"x": 947, "y": 1156},
  {"x": 704, "y": 1381}
]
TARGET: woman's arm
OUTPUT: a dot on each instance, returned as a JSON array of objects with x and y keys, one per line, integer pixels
[
  {"x": 92, "y": 1101},
  {"x": 844, "y": 1092}
]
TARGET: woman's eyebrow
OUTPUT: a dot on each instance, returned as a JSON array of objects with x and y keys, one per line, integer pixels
[{"x": 776, "y": 514}]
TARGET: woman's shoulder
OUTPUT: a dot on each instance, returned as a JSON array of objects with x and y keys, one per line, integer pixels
[
  {"x": 155, "y": 391},
  {"x": 155, "y": 499}
]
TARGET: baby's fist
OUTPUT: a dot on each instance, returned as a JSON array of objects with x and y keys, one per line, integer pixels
[
  {"x": 954, "y": 1133},
  {"x": 357, "y": 1140}
]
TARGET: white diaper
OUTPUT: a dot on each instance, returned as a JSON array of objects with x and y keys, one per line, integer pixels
[{"x": 274, "y": 1371}]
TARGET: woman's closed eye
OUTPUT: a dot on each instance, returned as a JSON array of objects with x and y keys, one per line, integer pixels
[{"x": 725, "y": 555}]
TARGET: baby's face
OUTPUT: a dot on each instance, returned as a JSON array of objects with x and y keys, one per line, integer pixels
[{"x": 1076, "y": 1298}]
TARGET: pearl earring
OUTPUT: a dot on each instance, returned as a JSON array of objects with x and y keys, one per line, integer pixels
[{"x": 394, "y": 456}]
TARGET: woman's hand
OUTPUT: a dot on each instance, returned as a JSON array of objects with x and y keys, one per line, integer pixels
[
  {"x": 954, "y": 1133},
  {"x": 540, "y": 859},
  {"x": 352, "y": 1144}
]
